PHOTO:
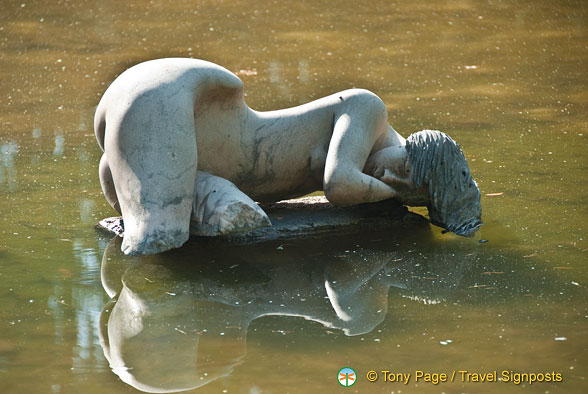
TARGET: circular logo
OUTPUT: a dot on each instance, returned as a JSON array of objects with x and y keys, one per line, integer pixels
[{"x": 346, "y": 377}]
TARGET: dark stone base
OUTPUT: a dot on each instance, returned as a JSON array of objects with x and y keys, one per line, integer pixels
[{"x": 310, "y": 217}]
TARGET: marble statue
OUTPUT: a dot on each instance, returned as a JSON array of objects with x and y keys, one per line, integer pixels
[{"x": 168, "y": 125}]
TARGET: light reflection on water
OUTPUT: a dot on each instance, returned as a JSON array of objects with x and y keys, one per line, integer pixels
[
  {"x": 194, "y": 307},
  {"x": 506, "y": 79},
  {"x": 7, "y": 169},
  {"x": 356, "y": 294}
]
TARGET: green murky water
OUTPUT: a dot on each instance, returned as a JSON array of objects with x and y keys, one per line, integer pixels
[{"x": 507, "y": 79}]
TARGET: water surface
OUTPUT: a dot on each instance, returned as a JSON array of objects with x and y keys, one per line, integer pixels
[{"x": 506, "y": 79}]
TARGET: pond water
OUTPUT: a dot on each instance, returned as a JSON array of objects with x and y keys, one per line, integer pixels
[{"x": 506, "y": 79}]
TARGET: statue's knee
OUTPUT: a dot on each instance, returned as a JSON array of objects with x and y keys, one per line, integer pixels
[{"x": 153, "y": 236}]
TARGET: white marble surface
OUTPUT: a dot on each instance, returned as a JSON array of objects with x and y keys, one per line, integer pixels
[
  {"x": 219, "y": 208},
  {"x": 162, "y": 121}
]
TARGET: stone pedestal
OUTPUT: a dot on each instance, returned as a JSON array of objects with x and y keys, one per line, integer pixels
[{"x": 310, "y": 217}]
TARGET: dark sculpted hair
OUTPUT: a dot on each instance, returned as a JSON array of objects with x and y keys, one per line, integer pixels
[{"x": 439, "y": 164}]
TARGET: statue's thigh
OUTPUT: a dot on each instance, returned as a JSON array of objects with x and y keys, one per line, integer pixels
[{"x": 150, "y": 148}]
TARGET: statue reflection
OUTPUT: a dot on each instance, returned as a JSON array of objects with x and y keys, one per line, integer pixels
[{"x": 177, "y": 322}]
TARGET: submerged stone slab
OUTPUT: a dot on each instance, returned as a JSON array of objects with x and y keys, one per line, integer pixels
[{"x": 309, "y": 217}]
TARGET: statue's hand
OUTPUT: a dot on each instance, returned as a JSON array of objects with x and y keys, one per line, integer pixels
[
  {"x": 389, "y": 178},
  {"x": 388, "y": 166}
]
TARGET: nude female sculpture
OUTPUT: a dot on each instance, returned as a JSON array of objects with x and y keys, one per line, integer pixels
[{"x": 162, "y": 121}]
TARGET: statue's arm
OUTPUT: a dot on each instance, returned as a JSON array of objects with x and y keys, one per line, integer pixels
[{"x": 359, "y": 124}]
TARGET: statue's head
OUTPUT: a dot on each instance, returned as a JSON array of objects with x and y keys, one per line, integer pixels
[{"x": 439, "y": 165}]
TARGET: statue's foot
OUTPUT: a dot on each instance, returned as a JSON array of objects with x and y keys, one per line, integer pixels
[
  {"x": 220, "y": 208},
  {"x": 235, "y": 217}
]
